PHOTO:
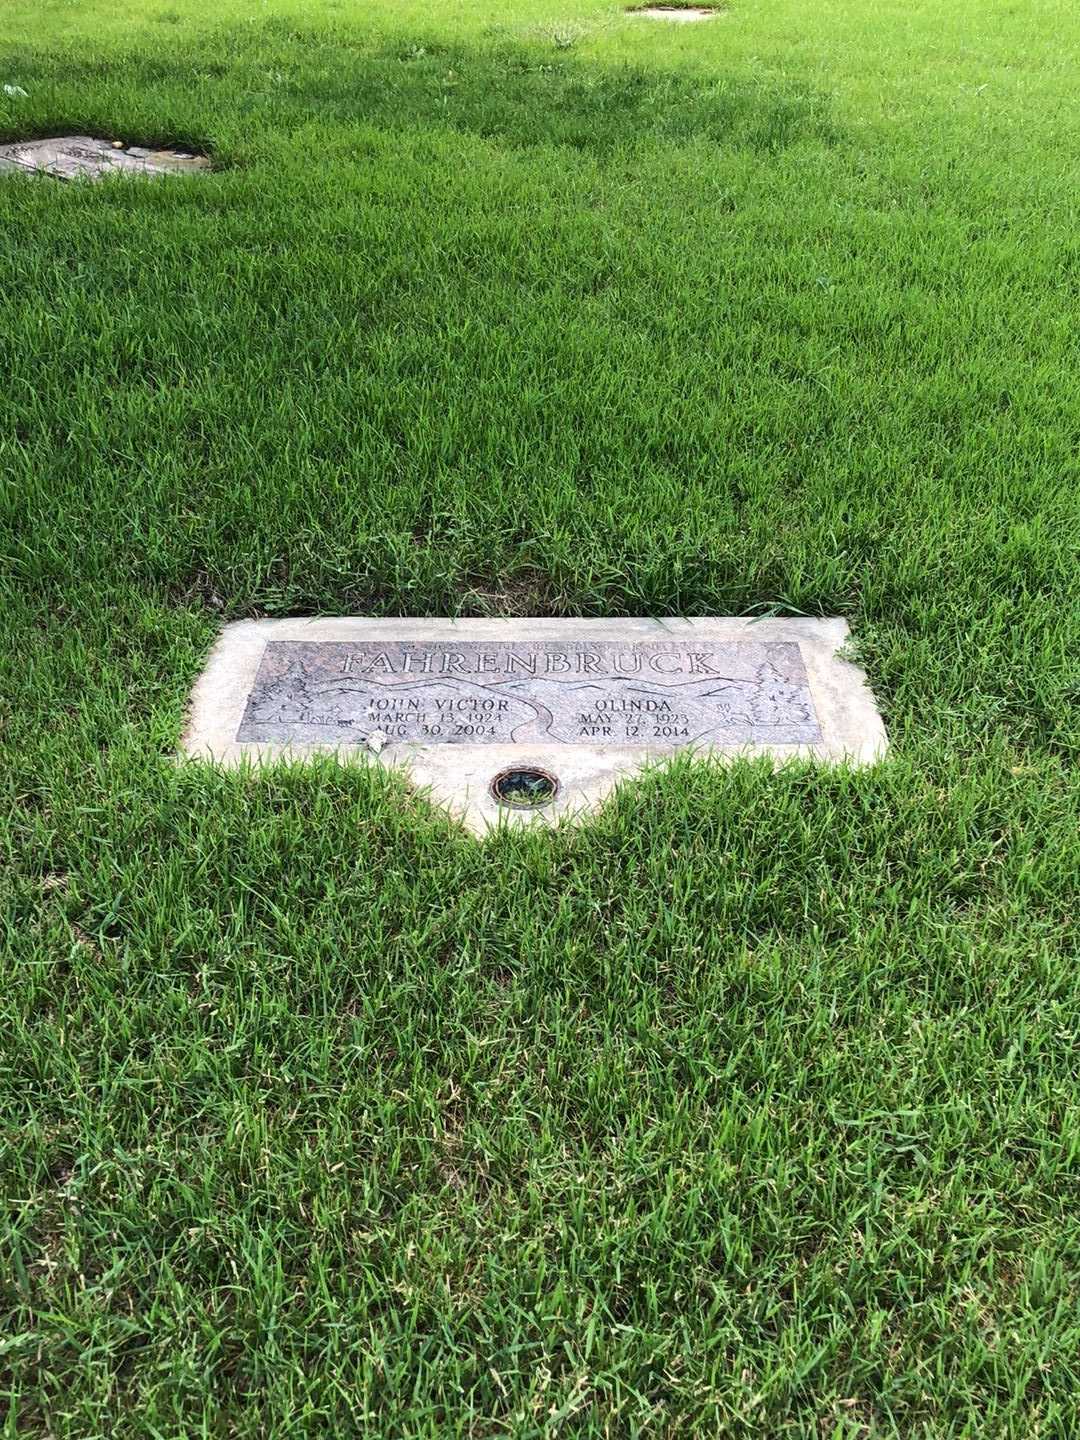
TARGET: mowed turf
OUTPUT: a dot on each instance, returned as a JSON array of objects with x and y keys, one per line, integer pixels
[{"x": 750, "y": 1108}]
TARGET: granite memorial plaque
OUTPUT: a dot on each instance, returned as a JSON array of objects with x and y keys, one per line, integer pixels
[
  {"x": 460, "y": 703},
  {"x": 70, "y": 157},
  {"x": 471, "y": 692}
]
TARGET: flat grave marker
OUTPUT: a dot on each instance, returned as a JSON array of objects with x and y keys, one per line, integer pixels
[
  {"x": 526, "y": 719},
  {"x": 73, "y": 157},
  {"x": 680, "y": 14}
]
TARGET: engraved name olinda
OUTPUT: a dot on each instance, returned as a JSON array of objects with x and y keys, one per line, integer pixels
[{"x": 656, "y": 693}]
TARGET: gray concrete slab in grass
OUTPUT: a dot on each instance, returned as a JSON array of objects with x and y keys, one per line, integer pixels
[
  {"x": 680, "y": 14},
  {"x": 586, "y": 702},
  {"x": 72, "y": 157}
]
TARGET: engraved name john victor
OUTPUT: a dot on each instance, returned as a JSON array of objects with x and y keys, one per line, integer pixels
[{"x": 653, "y": 692}]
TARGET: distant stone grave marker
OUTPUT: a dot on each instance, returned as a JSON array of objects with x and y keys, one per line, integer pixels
[
  {"x": 528, "y": 719},
  {"x": 681, "y": 14},
  {"x": 70, "y": 157}
]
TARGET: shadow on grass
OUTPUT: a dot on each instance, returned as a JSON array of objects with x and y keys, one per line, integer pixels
[{"x": 282, "y": 78}]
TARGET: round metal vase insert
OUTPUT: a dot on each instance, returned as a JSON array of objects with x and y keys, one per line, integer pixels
[{"x": 524, "y": 787}]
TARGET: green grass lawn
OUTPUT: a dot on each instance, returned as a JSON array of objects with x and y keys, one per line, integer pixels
[{"x": 751, "y": 1108}]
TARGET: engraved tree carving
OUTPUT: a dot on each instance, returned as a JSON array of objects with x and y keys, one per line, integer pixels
[
  {"x": 775, "y": 700},
  {"x": 286, "y": 697}
]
